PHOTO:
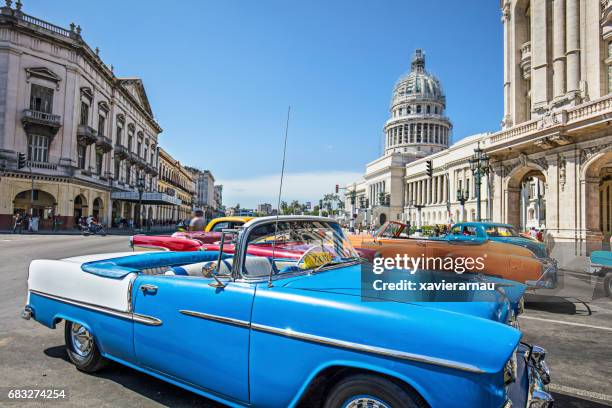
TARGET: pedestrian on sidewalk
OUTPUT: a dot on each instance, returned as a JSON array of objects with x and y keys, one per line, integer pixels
[
  {"x": 198, "y": 222},
  {"x": 17, "y": 223}
]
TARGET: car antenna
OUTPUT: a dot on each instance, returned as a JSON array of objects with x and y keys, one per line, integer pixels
[{"x": 280, "y": 190}]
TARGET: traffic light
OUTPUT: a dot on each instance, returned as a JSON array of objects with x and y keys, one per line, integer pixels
[
  {"x": 337, "y": 188},
  {"x": 430, "y": 168},
  {"x": 21, "y": 160}
]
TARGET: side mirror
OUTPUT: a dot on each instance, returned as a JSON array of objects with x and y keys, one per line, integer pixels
[{"x": 209, "y": 269}]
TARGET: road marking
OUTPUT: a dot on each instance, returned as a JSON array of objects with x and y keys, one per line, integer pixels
[
  {"x": 579, "y": 392},
  {"x": 568, "y": 323}
]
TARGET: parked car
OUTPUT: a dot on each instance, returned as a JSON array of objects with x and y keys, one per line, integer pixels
[
  {"x": 212, "y": 231},
  {"x": 175, "y": 243},
  {"x": 509, "y": 261},
  {"x": 600, "y": 264},
  {"x": 276, "y": 332},
  {"x": 501, "y": 233}
]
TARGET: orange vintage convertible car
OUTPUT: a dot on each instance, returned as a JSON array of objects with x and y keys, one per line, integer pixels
[{"x": 504, "y": 260}]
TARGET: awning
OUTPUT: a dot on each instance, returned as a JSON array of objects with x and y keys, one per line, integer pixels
[{"x": 147, "y": 198}]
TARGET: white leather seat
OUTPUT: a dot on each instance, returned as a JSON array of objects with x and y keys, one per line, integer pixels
[{"x": 255, "y": 266}]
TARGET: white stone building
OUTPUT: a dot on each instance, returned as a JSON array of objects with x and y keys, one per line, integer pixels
[
  {"x": 89, "y": 136},
  {"x": 553, "y": 156},
  {"x": 207, "y": 197},
  {"x": 219, "y": 197},
  {"x": 264, "y": 209}
]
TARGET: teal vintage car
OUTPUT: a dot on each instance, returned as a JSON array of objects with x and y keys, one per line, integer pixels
[
  {"x": 501, "y": 233},
  {"x": 601, "y": 265}
]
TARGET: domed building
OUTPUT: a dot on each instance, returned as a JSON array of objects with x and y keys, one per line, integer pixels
[
  {"x": 417, "y": 126},
  {"x": 416, "y": 129}
]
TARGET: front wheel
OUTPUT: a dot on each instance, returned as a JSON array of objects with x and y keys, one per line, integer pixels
[
  {"x": 371, "y": 391},
  {"x": 82, "y": 349}
]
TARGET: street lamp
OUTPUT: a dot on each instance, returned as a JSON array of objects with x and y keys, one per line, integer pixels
[
  {"x": 419, "y": 207},
  {"x": 479, "y": 164},
  {"x": 462, "y": 197},
  {"x": 140, "y": 185}
]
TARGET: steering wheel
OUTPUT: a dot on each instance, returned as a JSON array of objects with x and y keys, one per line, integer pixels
[{"x": 309, "y": 250}]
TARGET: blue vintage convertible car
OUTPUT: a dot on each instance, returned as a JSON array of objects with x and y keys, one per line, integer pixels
[
  {"x": 501, "y": 233},
  {"x": 600, "y": 264},
  {"x": 274, "y": 332}
]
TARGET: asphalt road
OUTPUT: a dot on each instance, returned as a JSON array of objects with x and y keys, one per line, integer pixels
[{"x": 574, "y": 324}]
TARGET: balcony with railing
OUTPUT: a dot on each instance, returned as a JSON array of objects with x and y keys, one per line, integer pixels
[
  {"x": 49, "y": 123},
  {"x": 121, "y": 151},
  {"x": 133, "y": 158},
  {"x": 41, "y": 165},
  {"x": 103, "y": 143},
  {"x": 560, "y": 120},
  {"x": 86, "y": 134},
  {"x": 150, "y": 169}
]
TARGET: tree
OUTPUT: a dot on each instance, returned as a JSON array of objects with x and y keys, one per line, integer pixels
[
  {"x": 295, "y": 206},
  {"x": 284, "y": 208}
]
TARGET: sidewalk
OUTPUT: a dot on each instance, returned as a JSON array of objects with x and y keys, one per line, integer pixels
[{"x": 109, "y": 231}]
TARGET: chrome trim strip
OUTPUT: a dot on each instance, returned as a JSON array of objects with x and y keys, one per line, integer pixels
[
  {"x": 130, "y": 294},
  {"x": 139, "y": 318},
  {"x": 216, "y": 318},
  {"x": 367, "y": 349}
]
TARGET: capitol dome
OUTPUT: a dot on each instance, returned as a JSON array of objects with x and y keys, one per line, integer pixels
[{"x": 417, "y": 126}]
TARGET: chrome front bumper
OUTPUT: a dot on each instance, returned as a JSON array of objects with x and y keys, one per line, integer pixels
[
  {"x": 549, "y": 278},
  {"x": 530, "y": 388}
]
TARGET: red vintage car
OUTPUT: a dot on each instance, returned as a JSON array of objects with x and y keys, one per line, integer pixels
[
  {"x": 212, "y": 232},
  {"x": 182, "y": 243}
]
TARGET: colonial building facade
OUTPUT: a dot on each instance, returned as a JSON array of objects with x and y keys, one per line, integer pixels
[
  {"x": 90, "y": 137},
  {"x": 177, "y": 181},
  {"x": 551, "y": 163}
]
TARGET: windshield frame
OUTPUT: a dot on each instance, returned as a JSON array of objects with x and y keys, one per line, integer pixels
[{"x": 243, "y": 241}]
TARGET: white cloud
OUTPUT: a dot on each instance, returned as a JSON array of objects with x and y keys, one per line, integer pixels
[{"x": 296, "y": 186}]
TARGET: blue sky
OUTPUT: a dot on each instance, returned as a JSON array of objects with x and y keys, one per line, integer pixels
[{"x": 220, "y": 75}]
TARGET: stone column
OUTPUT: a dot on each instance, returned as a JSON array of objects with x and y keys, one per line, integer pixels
[
  {"x": 558, "y": 48},
  {"x": 569, "y": 199},
  {"x": 592, "y": 234},
  {"x": 497, "y": 201},
  {"x": 421, "y": 191},
  {"x": 539, "y": 54},
  {"x": 507, "y": 119},
  {"x": 434, "y": 188},
  {"x": 553, "y": 186},
  {"x": 572, "y": 18}
]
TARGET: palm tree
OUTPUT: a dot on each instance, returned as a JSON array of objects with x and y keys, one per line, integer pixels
[
  {"x": 284, "y": 209},
  {"x": 295, "y": 206}
]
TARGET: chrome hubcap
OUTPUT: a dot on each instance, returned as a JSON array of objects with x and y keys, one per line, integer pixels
[
  {"x": 365, "y": 402},
  {"x": 82, "y": 341}
]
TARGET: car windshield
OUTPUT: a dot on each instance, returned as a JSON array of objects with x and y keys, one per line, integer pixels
[
  {"x": 390, "y": 230},
  {"x": 292, "y": 246},
  {"x": 500, "y": 231}
]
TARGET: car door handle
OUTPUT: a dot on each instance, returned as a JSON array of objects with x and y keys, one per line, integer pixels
[{"x": 149, "y": 289}]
